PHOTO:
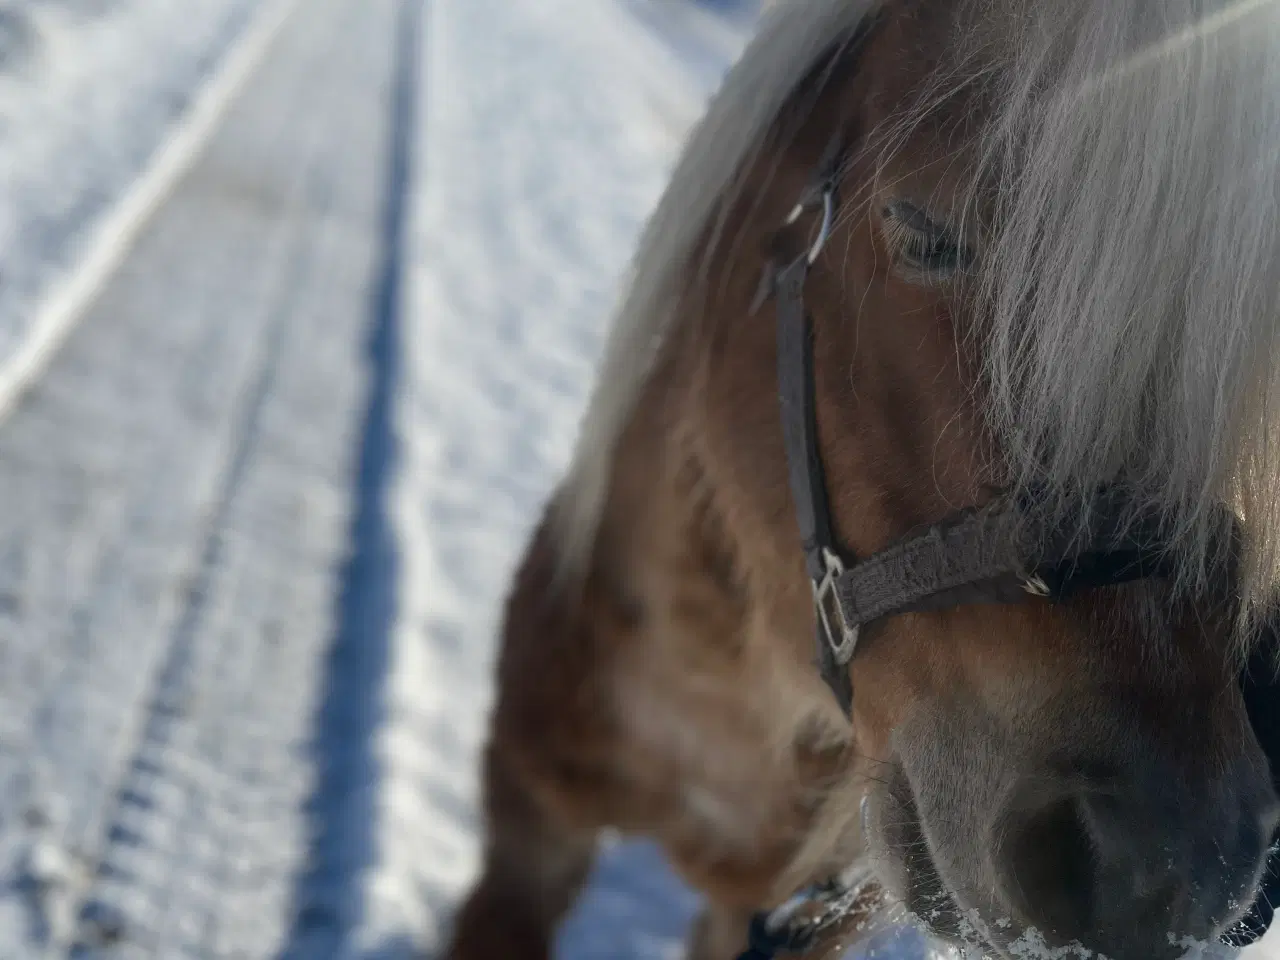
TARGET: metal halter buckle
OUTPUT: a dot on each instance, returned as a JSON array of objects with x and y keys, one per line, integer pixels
[{"x": 840, "y": 635}]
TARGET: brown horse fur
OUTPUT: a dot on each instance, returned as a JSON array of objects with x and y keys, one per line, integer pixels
[{"x": 669, "y": 689}]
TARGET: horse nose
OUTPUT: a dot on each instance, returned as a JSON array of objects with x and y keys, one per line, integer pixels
[{"x": 1136, "y": 872}]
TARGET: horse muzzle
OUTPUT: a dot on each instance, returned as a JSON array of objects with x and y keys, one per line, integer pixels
[{"x": 1260, "y": 684}]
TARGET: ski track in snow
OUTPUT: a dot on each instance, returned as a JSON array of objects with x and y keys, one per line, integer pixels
[
  {"x": 88, "y": 91},
  {"x": 271, "y": 490},
  {"x": 184, "y": 471}
]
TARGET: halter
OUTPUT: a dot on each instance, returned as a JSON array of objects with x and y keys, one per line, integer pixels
[{"x": 998, "y": 553}]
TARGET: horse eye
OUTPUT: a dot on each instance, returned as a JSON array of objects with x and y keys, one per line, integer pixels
[{"x": 923, "y": 245}]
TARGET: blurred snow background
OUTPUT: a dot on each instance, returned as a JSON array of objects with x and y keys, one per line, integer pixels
[{"x": 89, "y": 89}]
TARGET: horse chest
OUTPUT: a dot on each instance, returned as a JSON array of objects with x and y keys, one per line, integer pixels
[{"x": 713, "y": 758}]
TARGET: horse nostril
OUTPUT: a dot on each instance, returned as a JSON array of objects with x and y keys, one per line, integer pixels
[
  {"x": 1269, "y": 819},
  {"x": 1121, "y": 868},
  {"x": 1050, "y": 866}
]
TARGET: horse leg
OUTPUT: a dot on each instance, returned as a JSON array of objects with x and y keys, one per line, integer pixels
[
  {"x": 719, "y": 933},
  {"x": 533, "y": 869},
  {"x": 551, "y": 775}
]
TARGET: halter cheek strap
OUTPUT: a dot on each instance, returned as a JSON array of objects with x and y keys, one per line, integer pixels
[{"x": 837, "y": 639}]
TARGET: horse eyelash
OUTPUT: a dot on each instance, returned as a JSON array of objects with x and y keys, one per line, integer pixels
[{"x": 920, "y": 245}]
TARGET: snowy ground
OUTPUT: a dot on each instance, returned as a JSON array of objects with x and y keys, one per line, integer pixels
[
  {"x": 89, "y": 89},
  {"x": 265, "y": 500}
]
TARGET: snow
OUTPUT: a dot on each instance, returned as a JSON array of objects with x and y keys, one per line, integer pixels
[
  {"x": 184, "y": 477},
  {"x": 266, "y": 499},
  {"x": 88, "y": 91}
]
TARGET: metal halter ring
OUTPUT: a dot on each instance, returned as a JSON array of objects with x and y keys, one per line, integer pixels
[{"x": 828, "y": 222}]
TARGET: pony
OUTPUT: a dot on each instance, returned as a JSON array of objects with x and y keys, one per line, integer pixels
[{"x": 1043, "y": 264}]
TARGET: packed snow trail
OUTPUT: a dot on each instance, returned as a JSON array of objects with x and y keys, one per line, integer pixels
[
  {"x": 90, "y": 94},
  {"x": 179, "y": 491}
]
